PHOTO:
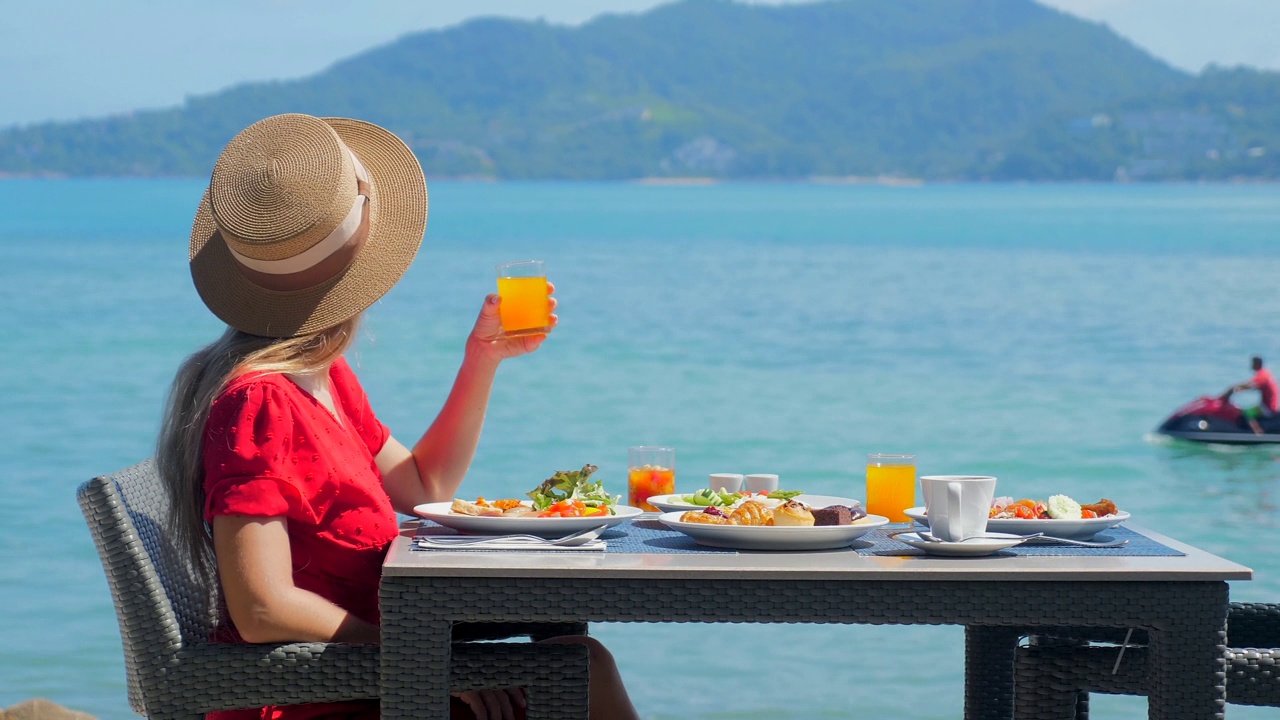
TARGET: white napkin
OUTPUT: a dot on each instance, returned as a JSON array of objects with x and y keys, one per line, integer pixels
[{"x": 422, "y": 543}]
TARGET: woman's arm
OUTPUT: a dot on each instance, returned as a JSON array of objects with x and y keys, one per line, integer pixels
[
  {"x": 433, "y": 469},
  {"x": 255, "y": 567}
]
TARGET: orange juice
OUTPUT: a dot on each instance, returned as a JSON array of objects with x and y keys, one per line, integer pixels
[
  {"x": 891, "y": 488},
  {"x": 525, "y": 309},
  {"x": 645, "y": 482}
]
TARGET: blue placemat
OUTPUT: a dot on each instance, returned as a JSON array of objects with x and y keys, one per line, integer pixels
[
  {"x": 646, "y": 535},
  {"x": 878, "y": 542}
]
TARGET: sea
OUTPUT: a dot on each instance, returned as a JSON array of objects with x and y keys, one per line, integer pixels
[{"x": 1038, "y": 333}]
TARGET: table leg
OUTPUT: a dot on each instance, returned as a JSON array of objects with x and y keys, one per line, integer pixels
[
  {"x": 988, "y": 671},
  {"x": 415, "y": 659},
  {"x": 1188, "y": 657}
]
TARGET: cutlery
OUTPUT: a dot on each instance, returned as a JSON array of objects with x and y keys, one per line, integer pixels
[
  {"x": 1040, "y": 538},
  {"x": 579, "y": 538}
]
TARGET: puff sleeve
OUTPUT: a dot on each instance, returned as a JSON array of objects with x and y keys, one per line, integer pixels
[{"x": 252, "y": 446}]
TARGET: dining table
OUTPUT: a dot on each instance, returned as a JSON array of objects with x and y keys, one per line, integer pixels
[{"x": 1176, "y": 593}]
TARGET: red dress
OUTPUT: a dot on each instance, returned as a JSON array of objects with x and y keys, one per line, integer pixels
[{"x": 272, "y": 450}]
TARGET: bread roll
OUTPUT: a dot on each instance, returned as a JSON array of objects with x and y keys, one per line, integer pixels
[{"x": 793, "y": 513}]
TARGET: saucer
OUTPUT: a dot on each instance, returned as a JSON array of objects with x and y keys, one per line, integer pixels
[{"x": 973, "y": 547}]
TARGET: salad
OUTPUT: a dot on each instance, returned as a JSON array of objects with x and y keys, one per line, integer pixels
[
  {"x": 718, "y": 498},
  {"x": 571, "y": 493},
  {"x": 1057, "y": 507}
]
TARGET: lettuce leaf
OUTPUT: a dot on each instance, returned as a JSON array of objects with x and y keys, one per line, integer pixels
[{"x": 573, "y": 485}]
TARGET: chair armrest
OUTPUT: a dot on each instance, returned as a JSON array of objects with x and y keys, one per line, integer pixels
[
  {"x": 1253, "y": 625},
  {"x": 214, "y": 676}
]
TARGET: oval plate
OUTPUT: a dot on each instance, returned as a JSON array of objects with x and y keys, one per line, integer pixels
[
  {"x": 744, "y": 537},
  {"x": 550, "y": 527},
  {"x": 1070, "y": 529}
]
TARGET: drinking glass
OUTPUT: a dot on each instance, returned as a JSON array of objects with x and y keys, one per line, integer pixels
[
  {"x": 652, "y": 471},
  {"x": 526, "y": 308},
  {"x": 891, "y": 485}
]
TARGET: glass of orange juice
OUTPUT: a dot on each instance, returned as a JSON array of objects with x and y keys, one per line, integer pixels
[
  {"x": 891, "y": 485},
  {"x": 652, "y": 471},
  {"x": 526, "y": 306}
]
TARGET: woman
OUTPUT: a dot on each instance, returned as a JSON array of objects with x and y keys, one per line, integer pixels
[{"x": 284, "y": 480}]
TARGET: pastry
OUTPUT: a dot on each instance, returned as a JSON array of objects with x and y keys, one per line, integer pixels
[
  {"x": 463, "y": 507},
  {"x": 705, "y": 518},
  {"x": 793, "y": 513},
  {"x": 751, "y": 513}
]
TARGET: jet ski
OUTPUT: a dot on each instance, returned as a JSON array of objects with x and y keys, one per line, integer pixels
[{"x": 1217, "y": 420}]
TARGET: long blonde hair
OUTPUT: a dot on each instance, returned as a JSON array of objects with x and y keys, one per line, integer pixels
[{"x": 199, "y": 381}]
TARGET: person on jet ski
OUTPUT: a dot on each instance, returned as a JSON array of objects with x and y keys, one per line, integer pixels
[{"x": 1265, "y": 384}]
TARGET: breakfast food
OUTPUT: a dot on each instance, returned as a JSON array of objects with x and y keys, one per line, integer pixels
[
  {"x": 837, "y": 514},
  {"x": 751, "y": 513},
  {"x": 707, "y": 497},
  {"x": 793, "y": 513},
  {"x": 1061, "y": 507},
  {"x": 1057, "y": 507},
  {"x": 566, "y": 494},
  {"x": 463, "y": 507}
]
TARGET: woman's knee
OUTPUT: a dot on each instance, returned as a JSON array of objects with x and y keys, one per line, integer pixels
[{"x": 596, "y": 651}]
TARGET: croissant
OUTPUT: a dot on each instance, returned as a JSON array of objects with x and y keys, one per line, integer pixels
[
  {"x": 751, "y": 513},
  {"x": 704, "y": 517}
]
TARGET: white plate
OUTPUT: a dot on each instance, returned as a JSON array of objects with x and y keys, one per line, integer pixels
[
  {"x": 743, "y": 537},
  {"x": 974, "y": 547},
  {"x": 1069, "y": 529},
  {"x": 542, "y": 527},
  {"x": 672, "y": 503}
]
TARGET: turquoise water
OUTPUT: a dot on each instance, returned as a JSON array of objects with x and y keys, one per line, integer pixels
[{"x": 1037, "y": 333}]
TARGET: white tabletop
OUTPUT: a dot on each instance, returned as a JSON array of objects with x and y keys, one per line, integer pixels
[{"x": 1195, "y": 565}]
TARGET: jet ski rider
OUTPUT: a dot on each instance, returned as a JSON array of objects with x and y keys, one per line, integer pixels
[{"x": 1265, "y": 384}]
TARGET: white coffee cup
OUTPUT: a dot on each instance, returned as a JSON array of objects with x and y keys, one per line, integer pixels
[
  {"x": 725, "y": 482},
  {"x": 958, "y": 505},
  {"x": 761, "y": 482}
]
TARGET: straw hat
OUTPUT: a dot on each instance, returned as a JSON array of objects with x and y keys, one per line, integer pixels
[{"x": 306, "y": 223}]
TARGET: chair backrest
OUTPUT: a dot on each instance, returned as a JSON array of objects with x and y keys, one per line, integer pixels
[{"x": 161, "y": 603}]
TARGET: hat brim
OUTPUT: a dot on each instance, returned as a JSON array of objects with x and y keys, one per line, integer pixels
[{"x": 397, "y": 221}]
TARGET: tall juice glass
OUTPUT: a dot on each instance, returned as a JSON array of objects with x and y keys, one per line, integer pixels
[
  {"x": 651, "y": 471},
  {"x": 891, "y": 485},
  {"x": 526, "y": 307}
]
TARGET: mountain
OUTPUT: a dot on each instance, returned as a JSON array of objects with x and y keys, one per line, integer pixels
[{"x": 939, "y": 89}]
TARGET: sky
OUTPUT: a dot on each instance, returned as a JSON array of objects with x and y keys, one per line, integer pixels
[{"x": 69, "y": 59}]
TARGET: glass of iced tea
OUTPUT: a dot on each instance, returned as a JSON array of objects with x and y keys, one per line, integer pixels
[
  {"x": 526, "y": 307},
  {"x": 652, "y": 471},
  {"x": 891, "y": 485}
]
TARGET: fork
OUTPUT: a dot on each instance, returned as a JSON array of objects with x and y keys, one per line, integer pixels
[{"x": 581, "y": 537}]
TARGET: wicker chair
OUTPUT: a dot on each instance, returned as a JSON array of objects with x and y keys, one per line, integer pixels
[
  {"x": 166, "y": 613},
  {"x": 1054, "y": 676}
]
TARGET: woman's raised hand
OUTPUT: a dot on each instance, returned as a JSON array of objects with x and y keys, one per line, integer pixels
[{"x": 486, "y": 337}]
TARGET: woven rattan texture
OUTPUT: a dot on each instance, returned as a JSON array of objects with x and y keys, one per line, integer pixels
[
  {"x": 1053, "y": 681},
  {"x": 1185, "y": 622},
  {"x": 164, "y": 617}
]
